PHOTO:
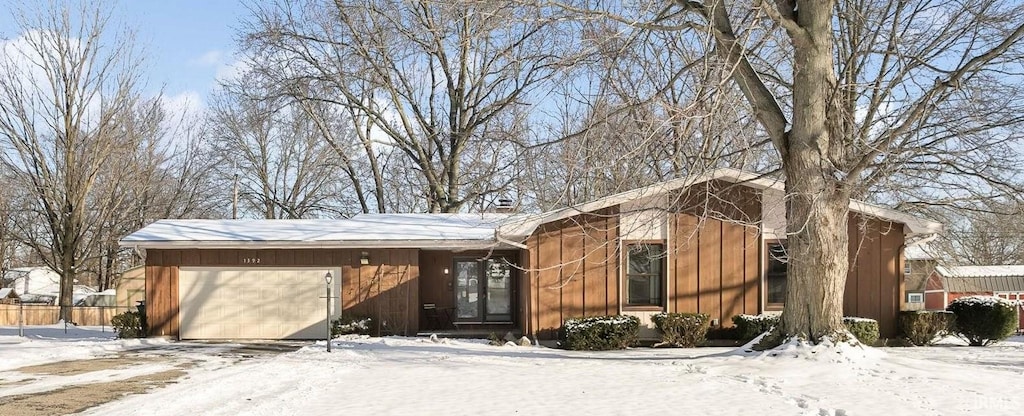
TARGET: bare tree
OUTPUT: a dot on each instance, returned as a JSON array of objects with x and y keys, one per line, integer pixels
[
  {"x": 284, "y": 167},
  {"x": 642, "y": 108},
  {"x": 858, "y": 98},
  {"x": 65, "y": 84},
  {"x": 990, "y": 234},
  {"x": 432, "y": 79},
  {"x": 10, "y": 212}
]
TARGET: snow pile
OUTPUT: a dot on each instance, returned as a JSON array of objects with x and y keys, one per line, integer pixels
[{"x": 826, "y": 351}]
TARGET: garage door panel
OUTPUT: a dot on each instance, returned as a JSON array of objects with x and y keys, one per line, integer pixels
[{"x": 253, "y": 304}]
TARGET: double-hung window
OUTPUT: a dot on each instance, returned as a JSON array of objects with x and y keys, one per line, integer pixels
[{"x": 645, "y": 275}]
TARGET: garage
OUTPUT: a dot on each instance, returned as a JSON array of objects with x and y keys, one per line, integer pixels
[{"x": 255, "y": 303}]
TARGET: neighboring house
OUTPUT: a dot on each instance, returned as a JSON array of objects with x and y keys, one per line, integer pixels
[
  {"x": 949, "y": 283},
  {"x": 919, "y": 264},
  {"x": 9, "y": 296},
  {"x": 131, "y": 287},
  {"x": 42, "y": 285},
  {"x": 711, "y": 243},
  {"x": 106, "y": 299}
]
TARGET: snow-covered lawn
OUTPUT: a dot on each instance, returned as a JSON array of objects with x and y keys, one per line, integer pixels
[
  {"x": 373, "y": 376},
  {"x": 50, "y": 343}
]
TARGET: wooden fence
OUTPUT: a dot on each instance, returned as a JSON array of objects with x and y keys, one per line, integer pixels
[{"x": 48, "y": 315}]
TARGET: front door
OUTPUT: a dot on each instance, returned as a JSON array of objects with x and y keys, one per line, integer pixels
[{"x": 483, "y": 290}]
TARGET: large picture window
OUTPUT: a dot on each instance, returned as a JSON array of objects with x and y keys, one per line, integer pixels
[
  {"x": 776, "y": 284},
  {"x": 645, "y": 275}
]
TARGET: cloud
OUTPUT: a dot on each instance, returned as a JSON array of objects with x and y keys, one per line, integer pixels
[
  {"x": 184, "y": 104},
  {"x": 233, "y": 70},
  {"x": 224, "y": 69},
  {"x": 184, "y": 112},
  {"x": 208, "y": 59}
]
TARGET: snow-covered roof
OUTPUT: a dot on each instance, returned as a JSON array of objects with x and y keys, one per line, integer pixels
[
  {"x": 34, "y": 280},
  {"x": 982, "y": 279},
  {"x": 981, "y": 271},
  {"x": 524, "y": 225},
  {"x": 918, "y": 252},
  {"x": 436, "y": 230},
  {"x": 8, "y": 292},
  {"x": 364, "y": 231}
]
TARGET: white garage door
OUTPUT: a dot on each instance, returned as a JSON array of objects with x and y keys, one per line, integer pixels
[{"x": 219, "y": 303}]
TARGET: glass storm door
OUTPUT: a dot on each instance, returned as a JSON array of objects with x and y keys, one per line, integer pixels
[
  {"x": 467, "y": 290},
  {"x": 498, "y": 286},
  {"x": 483, "y": 290}
]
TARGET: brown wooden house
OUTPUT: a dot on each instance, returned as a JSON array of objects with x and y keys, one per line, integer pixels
[{"x": 712, "y": 243}]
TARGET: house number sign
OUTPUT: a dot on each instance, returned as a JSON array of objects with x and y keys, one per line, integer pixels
[{"x": 250, "y": 260}]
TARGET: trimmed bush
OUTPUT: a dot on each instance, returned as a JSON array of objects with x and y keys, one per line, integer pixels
[
  {"x": 923, "y": 327},
  {"x": 352, "y": 324},
  {"x": 600, "y": 333},
  {"x": 866, "y": 330},
  {"x": 682, "y": 329},
  {"x": 749, "y": 327},
  {"x": 128, "y": 325},
  {"x": 983, "y": 320}
]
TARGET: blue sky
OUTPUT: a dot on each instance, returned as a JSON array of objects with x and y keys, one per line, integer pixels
[{"x": 185, "y": 42}]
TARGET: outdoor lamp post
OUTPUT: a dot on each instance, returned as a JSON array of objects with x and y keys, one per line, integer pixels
[{"x": 328, "y": 278}]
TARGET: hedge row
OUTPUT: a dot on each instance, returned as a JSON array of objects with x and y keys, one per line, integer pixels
[{"x": 981, "y": 320}]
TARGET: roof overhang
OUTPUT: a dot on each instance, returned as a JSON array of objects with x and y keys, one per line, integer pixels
[{"x": 522, "y": 227}]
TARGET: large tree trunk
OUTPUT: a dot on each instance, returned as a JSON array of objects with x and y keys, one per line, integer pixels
[
  {"x": 818, "y": 203},
  {"x": 818, "y": 247}
]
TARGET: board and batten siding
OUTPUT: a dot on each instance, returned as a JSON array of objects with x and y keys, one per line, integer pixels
[
  {"x": 715, "y": 262},
  {"x": 715, "y": 268},
  {"x": 716, "y": 246},
  {"x": 874, "y": 284},
  {"x": 387, "y": 289},
  {"x": 575, "y": 266},
  {"x": 571, "y": 268}
]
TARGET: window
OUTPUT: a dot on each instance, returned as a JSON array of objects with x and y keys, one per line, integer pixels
[
  {"x": 915, "y": 298},
  {"x": 777, "y": 260},
  {"x": 645, "y": 274}
]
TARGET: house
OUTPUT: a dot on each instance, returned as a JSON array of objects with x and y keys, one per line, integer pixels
[
  {"x": 131, "y": 287},
  {"x": 951, "y": 282},
  {"x": 711, "y": 243},
  {"x": 104, "y": 299},
  {"x": 9, "y": 296},
  {"x": 41, "y": 285}
]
